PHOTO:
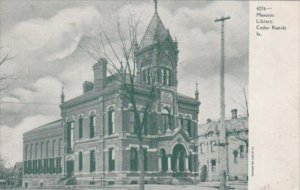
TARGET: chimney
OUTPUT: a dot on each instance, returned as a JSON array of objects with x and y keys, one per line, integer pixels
[
  {"x": 208, "y": 120},
  {"x": 234, "y": 114},
  {"x": 87, "y": 86},
  {"x": 100, "y": 69}
]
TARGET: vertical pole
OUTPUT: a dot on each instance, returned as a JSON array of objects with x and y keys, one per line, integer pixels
[{"x": 222, "y": 138}]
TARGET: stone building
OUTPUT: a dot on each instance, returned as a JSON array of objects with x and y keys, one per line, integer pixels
[
  {"x": 97, "y": 128},
  {"x": 43, "y": 151},
  {"x": 237, "y": 153}
]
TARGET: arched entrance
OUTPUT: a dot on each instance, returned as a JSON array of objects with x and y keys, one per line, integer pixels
[
  {"x": 164, "y": 160},
  {"x": 178, "y": 158}
]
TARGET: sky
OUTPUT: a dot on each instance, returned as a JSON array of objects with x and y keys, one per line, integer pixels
[{"x": 45, "y": 37}]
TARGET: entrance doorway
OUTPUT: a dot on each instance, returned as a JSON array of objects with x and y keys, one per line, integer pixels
[
  {"x": 178, "y": 158},
  {"x": 70, "y": 168}
]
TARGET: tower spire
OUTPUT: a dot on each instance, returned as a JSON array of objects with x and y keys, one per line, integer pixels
[{"x": 155, "y": 5}]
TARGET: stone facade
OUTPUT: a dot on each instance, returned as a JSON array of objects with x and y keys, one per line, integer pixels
[
  {"x": 43, "y": 155},
  {"x": 237, "y": 138},
  {"x": 100, "y": 142}
]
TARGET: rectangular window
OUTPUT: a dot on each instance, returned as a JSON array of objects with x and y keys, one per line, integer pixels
[
  {"x": 133, "y": 159},
  {"x": 167, "y": 77},
  {"x": 213, "y": 165},
  {"x": 59, "y": 146},
  {"x": 189, "y": 127},
  {"x": 92, "y": 161},
  {"x": 131, "y": 122},
  {"x": 212, "y": 146},
  {"x": 35, "y": 151},
  {"x": 58, "y": 164},
  {"x": 92, "y": 126},
  {"x": 31, "y": 147},
  {"x": 53, "y": 148},
  {"x": 42, "y": 144},
  {"x": 143, "y": 123},
  {"x": 144, "y": 76},
  {"x": 145, "y": 159},
  {"x": 162, "y": 79},
  {"x": 51, "y": 165},
  {"x": 235, "y": 157},
  {"x": 242, "y": 153},
  {"x": 111, "y": 122},
  {"x": 149, "y": 76},
  {"x": 45, "y": 166},
  {"x": 202, "y": 148},
  {"x": 80, "y": 161},
  {"x": 111, "y": 155},
  {"x": 80, "y": 123}
]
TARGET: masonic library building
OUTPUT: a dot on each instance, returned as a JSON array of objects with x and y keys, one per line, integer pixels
[{"x": 96, "y": 138}]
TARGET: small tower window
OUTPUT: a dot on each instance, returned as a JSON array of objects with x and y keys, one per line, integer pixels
[{"x": 166, "y": 76}]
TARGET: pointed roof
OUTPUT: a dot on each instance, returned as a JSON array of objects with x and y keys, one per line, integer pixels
[{"x": 156, "y": 32}]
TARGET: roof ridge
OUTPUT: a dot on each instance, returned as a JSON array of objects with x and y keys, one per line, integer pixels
[{"x": 158, "y": 23}]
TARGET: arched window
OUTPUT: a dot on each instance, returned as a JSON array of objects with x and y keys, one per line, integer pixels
[
  {"x": 189, "y": 126},
  {"x": 70, "y": 136},
  {"x": 111, "y": 121},
  {"x": 80, "y": 126},
  {"x": 92, "y": 125}
]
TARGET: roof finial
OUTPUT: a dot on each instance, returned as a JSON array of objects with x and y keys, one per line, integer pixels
[
  {"x": 197, "y": 92},
  {"x": 155, "y": 4},
  {"x": 62, "y": 97}
]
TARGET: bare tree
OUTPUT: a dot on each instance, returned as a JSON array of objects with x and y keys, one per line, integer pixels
[
  {"x": 3, "y": 77},
  {"x": 119, "y": 51}
]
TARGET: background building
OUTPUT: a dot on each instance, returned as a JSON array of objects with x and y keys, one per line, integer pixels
[
  {"x": 237, "y": 149},
  {"x": 96, "y": 138},
  {"x": 42, "y": 155}
]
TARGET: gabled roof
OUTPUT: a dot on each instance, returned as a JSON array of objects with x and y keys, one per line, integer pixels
[
  {"x": 239, "y": 124},
  {"x": 52, "y": 125},
  {"x": 156, "y": 32}
]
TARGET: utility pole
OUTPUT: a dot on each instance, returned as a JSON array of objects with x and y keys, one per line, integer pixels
[{"x": 222, "y": 138}]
